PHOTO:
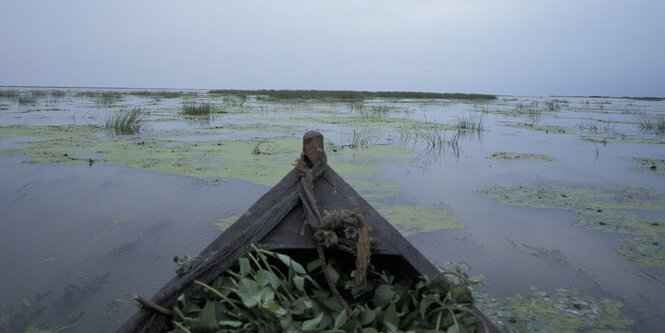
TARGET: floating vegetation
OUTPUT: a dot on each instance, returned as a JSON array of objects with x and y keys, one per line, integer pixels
[
  {"x": 226, "y": 222},
  {"x": 652, "y": 124},
  {"x": 542, "y": 128},
  {"x": 511, "y": 156},
  {"x": 272, "y": 292},
  {"x": 412, "y": 219},
  {"x": 200, "y": 109},
  {"x": 563, "y": 310},
  {"x": 470, "y": 122},
  {"x": 350, "y": 94},
  {"x": 126, "y": 122},
  {"x": 649, "y": 165},
  {"x": 608, "y": 208}
]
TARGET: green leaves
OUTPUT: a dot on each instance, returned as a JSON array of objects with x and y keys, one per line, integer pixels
[
  {"x": 272, "y": 292},
  {"x": 383, "y": 295}
]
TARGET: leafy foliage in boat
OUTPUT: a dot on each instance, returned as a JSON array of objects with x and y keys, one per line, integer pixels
[{"x": 271, "y": 292}]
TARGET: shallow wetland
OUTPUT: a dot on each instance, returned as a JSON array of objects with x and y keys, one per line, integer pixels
[{"x": 559, "y": 202}]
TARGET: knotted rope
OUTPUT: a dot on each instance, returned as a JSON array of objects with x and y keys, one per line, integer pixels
[{"x": 343, "y": 229}]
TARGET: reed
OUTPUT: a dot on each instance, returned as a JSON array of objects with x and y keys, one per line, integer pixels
[
  {"x": 652, "y": 124},
  {"x": 197, "y": 109},
  {"x": 470, "y": 123},
  {"x": 126, "y": 122}
]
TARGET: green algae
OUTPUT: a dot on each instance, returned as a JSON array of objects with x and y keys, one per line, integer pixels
[
  {"x": 542, "y": 128},
  {"x": 206, "y": 159},
  {"x": 512, "y": 156},
  {"x": 226, "y": 222},
  {"x": 372, "y": 189},
  {"x": 649, "y": 165},
  {"x": 609, "y": 208},
  {"x": 625, "y": 139},
  {"x": 356, "y": 163},
  {"x": 409, "y": 219},
  {"x": 262, "y": 161},
  {"x": 564, "y": 310}
]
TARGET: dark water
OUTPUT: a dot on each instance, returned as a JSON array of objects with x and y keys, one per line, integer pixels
[{"x": 90, "y": 237}]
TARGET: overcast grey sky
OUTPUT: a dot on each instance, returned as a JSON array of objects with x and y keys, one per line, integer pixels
[{"x": 517, "y": 47}]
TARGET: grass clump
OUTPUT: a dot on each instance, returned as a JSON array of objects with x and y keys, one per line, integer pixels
[
  {"x": 373, "y": 113},
  {"x": 470, "y": 123},
  {"x": 200, "y": 109},
  {"x": 8, "y": 93},
  {"x": 126, "y": 122},
  {"x": 26, "y": 100},
  {"x": 656, "y": 125}
]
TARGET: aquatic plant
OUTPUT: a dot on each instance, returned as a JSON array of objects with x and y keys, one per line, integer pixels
[
  {"x": 8, "y": 93},
  {"x": 108, "y": 98},
  {"x": 272, "y": 292},
  {"x": 512, "y": 156},
  {"x": 470, "y": 123},
  {"x": 609, "y": 208},
  {"x": 563, "y": 310},
  {"x": 126, "y": 122},
  {"x": 194, "y": 109},
  {"x": 373, "y": 113},
  {"x": 594, "y": 127},
  {"x": 652, "y": 124},
  {"x": 26, "y": 99},
  {"x": 349, "y": 94},
  {"x": 552, "y": 106},
  {"x": 235, "y": 101},
  {"x": 58, "y": 93},
  {"x": 161, "y": 94}
]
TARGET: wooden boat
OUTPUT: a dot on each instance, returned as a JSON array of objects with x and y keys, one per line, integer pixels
[{"x": 275, "y": 222}]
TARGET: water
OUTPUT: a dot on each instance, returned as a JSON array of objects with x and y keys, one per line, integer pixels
[{"x": 79, "y": 239}]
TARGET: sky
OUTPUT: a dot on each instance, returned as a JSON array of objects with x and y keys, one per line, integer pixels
[{"x": 506, "y": 47}]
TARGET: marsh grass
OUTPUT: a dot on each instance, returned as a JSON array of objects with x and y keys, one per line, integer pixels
[
  {"x": 235, "y": 101},
  {"x": 197, "y": 109},
  {"x": 655, "y": 125},
  {"x": 8, "y": 94},
  {"x": 162, "y": 94},
  {"x": 126, "y": 122},
  {"x": 26, "y": 99},
  {"x": 470, "y": 122},
  {"x": 57, "y": 94},
  {"x": 108, "y": 98},
  {"x": 371, "y": 113},
  {"x": 595, "y": 128},
  {"x": 552, "y": 106},
  {"x": 351, "y": 95},
  {"x": 102, "y": 98},
  {"x": 360, "y": 139}
]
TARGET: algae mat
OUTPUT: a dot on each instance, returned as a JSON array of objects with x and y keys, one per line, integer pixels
[
  {"x": 563, "y": 310},
  {"x": 512, "y": 156},
  {"x": 612, "y": 208},
  {"x": 262, "y": 161}
]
